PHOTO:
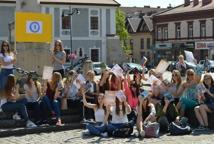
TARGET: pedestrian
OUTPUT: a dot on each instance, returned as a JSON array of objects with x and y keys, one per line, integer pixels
[
  {"x": 207, "y": 64},
  {"x": 58, "y": 58},
  {"x": 7, "y": 60},
  {"x": 98, "y": 128},
  {"x": 207, "y": 106},
  {"x": 181, "y": 65},
  {"x": 14, "y": 102}
]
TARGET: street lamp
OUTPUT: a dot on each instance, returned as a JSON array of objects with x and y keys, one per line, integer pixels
[{"x": 70, "y": 13}]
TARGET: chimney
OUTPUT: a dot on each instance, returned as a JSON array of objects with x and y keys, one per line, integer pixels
[
  {"x": 195, "y": 2},
  {"x": 146, "y": 6},
  {"x": 206, "y": 2},
  {"x": 186, "y": 2}
]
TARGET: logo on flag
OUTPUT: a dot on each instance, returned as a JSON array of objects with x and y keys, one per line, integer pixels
[{"x": 34, "y": 27}]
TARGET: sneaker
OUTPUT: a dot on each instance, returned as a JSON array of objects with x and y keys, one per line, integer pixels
[
  {"x": 16, "y": 116},
  {"x": 30, "y": 124},
  {"x": 141, "y": 134},
  {"x": 201, "y": 128},
  {"x": 105, "y": 134},
  {"x": 86, "y": 133},
  {"x": 59, "y": 123}
]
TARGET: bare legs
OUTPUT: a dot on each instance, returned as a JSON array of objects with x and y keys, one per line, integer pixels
[{"x": 201, "y": 114}]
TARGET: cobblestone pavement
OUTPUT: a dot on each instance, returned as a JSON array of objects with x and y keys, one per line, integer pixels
[{"x": 74, "y": 137}]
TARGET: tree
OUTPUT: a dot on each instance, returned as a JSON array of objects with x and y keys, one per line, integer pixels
[{"x": 121, "y": 30}]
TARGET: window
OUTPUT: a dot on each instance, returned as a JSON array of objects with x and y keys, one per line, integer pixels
[
  {"x": 148, "y": 43},
  {"x": 131, "y": 43},
  {"x": 190, "y": 29},
  {"x": 202, "y": 29},
  {"x": 95, "y": 55},
  {"x": 142, "y": 43},
  {"x": 165, "y": 32},
  {"x": 177, "y": 30},
  {"x": 65, "y": 22},
  {"x": 159, "y": 34},
  {"x": 80, "y": 52},
  {"x": 162, "y": 33},
  {"x": 94, "y": 22},
  {"x": 213, "y": 27}
]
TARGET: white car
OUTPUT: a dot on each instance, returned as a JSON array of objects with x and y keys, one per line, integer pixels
[{"x": 98, "y": 66}]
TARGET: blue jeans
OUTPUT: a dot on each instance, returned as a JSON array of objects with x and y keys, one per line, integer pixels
[
  {"x": 3, "y": 77},
  {"x": 52, "y": 105},
  {"x": 112, "y": 127},
  {"x": 18, "y": 106},
  {"x": 35, "y": 108},
  {"x": 96, "y": 129}
]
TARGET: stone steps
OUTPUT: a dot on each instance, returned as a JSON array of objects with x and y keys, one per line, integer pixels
[
  {"x": 40, "y": 129},
  {"x": 9, "y": 127}
]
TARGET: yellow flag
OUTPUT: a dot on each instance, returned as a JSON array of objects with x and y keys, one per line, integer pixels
[{"x": 33, "y": 27}]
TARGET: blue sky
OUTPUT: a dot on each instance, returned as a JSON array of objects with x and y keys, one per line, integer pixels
[{"x": 152, "y": 3}]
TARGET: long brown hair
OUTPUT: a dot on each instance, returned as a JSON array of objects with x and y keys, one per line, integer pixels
[
  {"x": 30, "y": 84},
  {"x": 10, "y": 84},
  {"x": 55, "y": 79},
  {"x": 178, "y": 75},
  {"x": 5, "y": 42},
  {"x": 97, "y": 103},
  {"x": 118, "y": 107},
  {"x": 58, "y": 42}
]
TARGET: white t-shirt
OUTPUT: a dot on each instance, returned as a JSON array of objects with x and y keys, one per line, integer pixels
[
  {"x": 99, "y": 115},
  {"x": 7, "y": 58},
  {"x": 34, "y": 96},
  {"x": 118, "y": 118}
]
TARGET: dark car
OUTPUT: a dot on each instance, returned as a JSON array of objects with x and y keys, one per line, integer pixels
[
  {"x": 211, "y": 66},
  {"x": 133, "y": 66},
  {"x": 172, "y": 65}
]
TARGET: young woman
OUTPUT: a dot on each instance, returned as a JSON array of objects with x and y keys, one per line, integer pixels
[
  {"x": 33, "y": 94},
  {"x": 188, "y": 92},
  {"x": 119, "y": 114},
  {"x": 91, "y": 92},
  {"x": 59, "y": 57},
  {"x": 7, "y": 60},
  {"x": 208, "y": 105},
  {"x": 175, "y": 84},
  {"x": 14, "y": 103},
  {"x": 146, "y": 113},
  {"x": 99, "y": 109},
  {"x": 52, "y": 94},
  {"x": 104, "y": 83}
]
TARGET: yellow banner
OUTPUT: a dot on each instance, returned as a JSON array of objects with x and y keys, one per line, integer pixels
[{"x": 33, "y": 27}]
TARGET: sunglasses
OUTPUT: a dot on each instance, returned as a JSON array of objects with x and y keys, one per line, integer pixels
[
  {"x": 6, "y": 45},
  {"x": 174, "y": 75},
  {"x": 190, "y": 74},
  {"x": 207, "y": 78}
]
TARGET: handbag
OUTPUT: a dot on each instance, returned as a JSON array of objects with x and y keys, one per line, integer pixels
[{"x": 151, "y": 129}]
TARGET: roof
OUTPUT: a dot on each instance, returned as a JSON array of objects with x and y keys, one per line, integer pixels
[
  {"x": 148, "y": 21},
  {"x": 75, "y": 2},
  {"x": 82, "y": 2},
  {"x": 134, "y": 23},
  {"x": 190, "y": 8},
  {"x": 131, "y": 11}
]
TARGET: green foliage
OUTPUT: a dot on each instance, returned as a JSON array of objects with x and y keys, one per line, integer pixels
[{"x": 121, "y": 30}]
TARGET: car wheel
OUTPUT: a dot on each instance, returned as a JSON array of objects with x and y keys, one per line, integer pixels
[{"x": 95, "y": 72}]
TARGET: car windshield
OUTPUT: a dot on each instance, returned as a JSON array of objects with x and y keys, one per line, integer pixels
[
  {"x": 96, "y": 65},
  {"x": 133, "y": 65}
]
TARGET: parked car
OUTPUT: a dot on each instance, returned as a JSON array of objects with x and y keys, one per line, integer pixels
[
  {"x": 211, "y": 67},
  {"x": 98, "y": 66},
  {"x": 132, "y": 66},
  {"x": 172, "y": 65}
]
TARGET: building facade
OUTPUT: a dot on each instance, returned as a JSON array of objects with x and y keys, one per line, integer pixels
[
  {"x": 90, "y": 28},
  {"x": 189, "y": 26},
  {"x": 139, "y": 25}
]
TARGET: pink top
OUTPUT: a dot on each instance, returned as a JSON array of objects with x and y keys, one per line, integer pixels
[{"x": 132, "y": 101}]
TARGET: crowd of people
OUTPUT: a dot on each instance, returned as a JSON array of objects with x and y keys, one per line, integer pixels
[{"x": 162, "y": 103}]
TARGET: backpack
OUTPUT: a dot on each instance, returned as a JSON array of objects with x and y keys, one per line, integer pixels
[{"x": 176, "y": 129}]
